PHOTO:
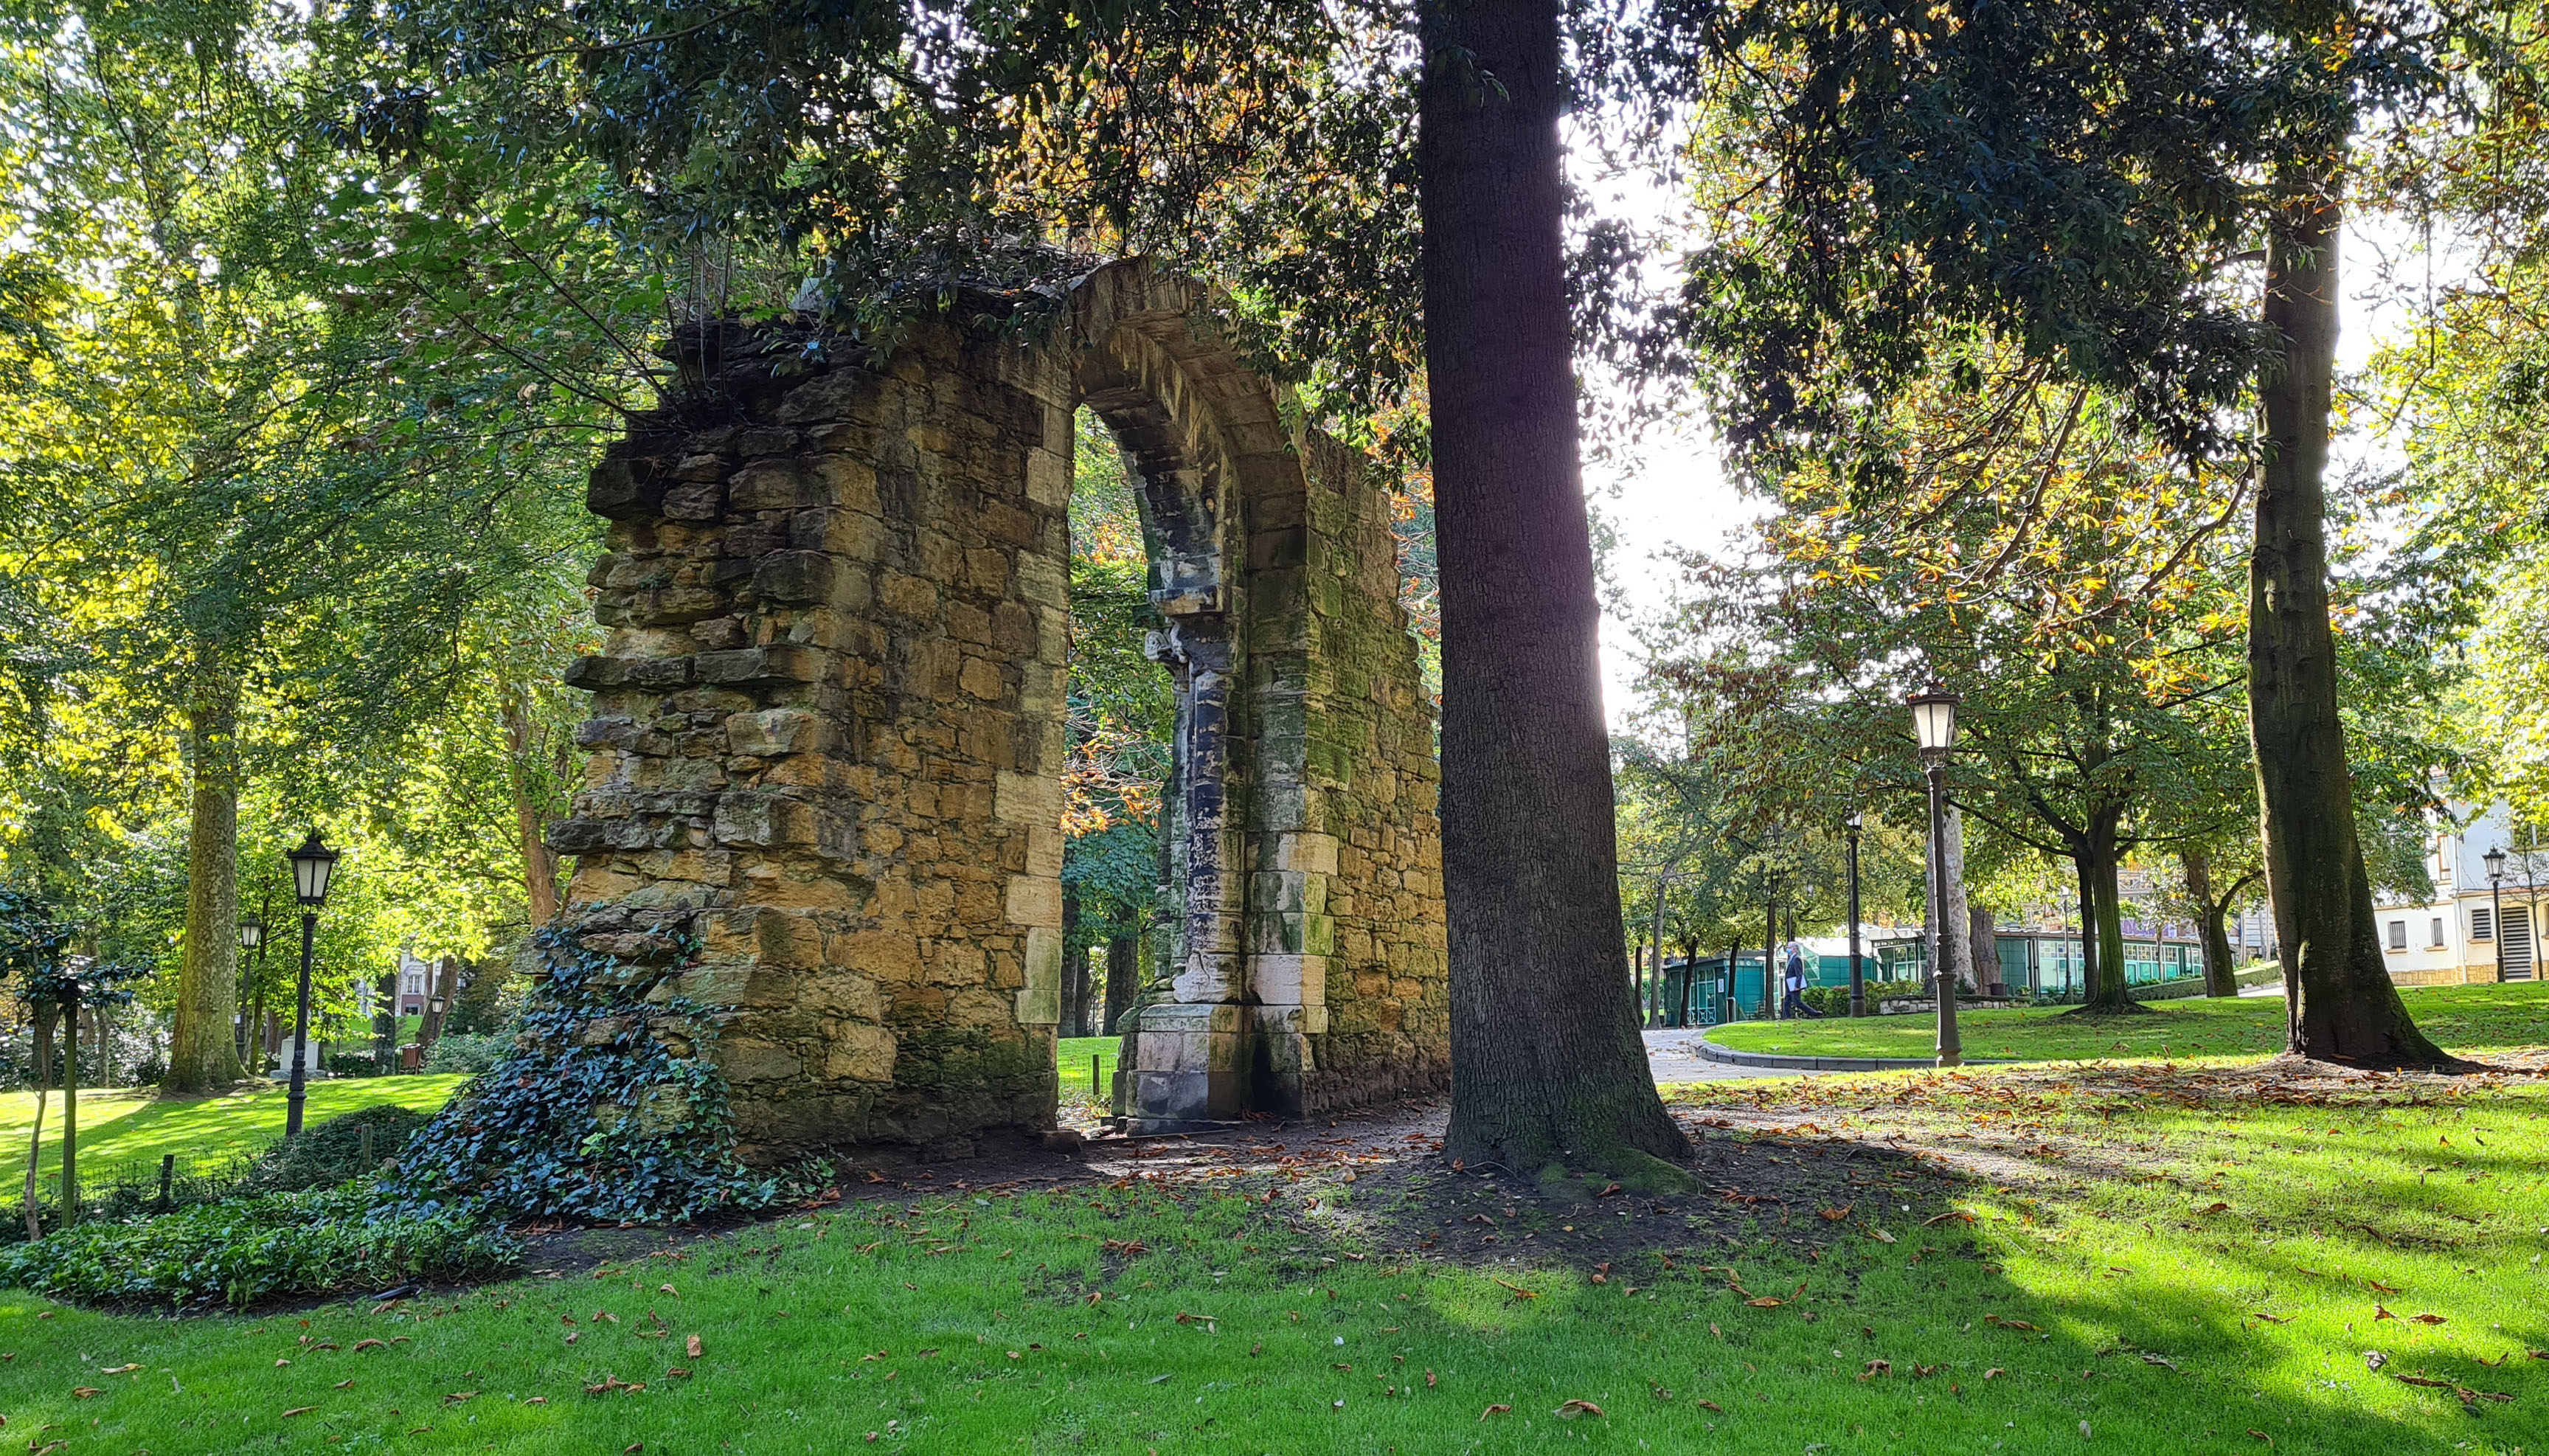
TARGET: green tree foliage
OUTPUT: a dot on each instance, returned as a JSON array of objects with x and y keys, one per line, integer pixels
[
  {"x": 2089, "y": 186},
  {"x": 268, "y": 542},
  {"x": 1122, "y": 709}
]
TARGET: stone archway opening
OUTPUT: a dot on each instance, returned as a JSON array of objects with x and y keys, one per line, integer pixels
[
  {"x": 1120, "y": 731},
  {"x": 830, "y": 734}
]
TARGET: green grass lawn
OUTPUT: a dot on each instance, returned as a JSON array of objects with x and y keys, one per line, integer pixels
[
  {"x": 133, "y": 1127},
  {"x": 2162, "y": 1262},
  {"x": 2471, "y": 1019},
  {"x": 1071, "y": 1061}
]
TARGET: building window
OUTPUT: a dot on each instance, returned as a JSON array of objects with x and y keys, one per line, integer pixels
[
  {"x": 414, "y": 982},
  {"x": 2482, "y": 924},
  {"x": 2438, "y": 930},
  {"x": 2398, "y": 935}
]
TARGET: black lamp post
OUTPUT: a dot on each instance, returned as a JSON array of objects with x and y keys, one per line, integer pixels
[
  {"x": 311, "y": 865},
  {"x": 1857, "y": 976},
  {"x": 2495, "y": 895},
  {"x": 1933, "y": 727},
  {"x": 252, "y": 932}
]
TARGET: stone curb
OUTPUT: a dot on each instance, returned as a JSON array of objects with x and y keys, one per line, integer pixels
[{"x": 1715, "y": 1053}]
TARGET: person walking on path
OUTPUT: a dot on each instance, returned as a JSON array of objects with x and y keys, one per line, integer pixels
[{"x": 1793, "y": 957}]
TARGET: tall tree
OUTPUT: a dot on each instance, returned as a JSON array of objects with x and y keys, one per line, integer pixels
[
  {"x": 1546, "y": 1067},
  {"x": 894, "y": 151},
  {"x": 1953, "y": 165}
]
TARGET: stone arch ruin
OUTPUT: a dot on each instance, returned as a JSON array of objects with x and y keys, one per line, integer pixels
[{"x": 828, "y": 729}]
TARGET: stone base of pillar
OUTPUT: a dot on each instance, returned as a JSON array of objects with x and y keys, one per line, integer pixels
[{"x": 1190, "y": 1068}]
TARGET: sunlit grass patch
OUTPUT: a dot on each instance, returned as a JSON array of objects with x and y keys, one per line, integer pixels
[
  {"x": 2470, "y": 1020},
  {"x": 2097, "y": 1284}
]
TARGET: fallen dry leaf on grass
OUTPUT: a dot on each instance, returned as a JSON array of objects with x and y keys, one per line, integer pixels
[
  {"x": 1495, "y": 1411},
  {"x": 83, "y": 1392},
  {"x": 2271, "y": 1318},
  {"x": 2426, "y": 1320},
  {"x": 2379, "y": 1315},
  {"x": 362, "y": 1345},
  {"x": 298, "y": 1410},
  {"x": 1574, "y": 1409},
  {"x": 1959, "y": 1214},
  {"x": 691, "y": 1348},
  {"x": 120, "y": 1370},
  {"x": 1710, "y": 1405}
]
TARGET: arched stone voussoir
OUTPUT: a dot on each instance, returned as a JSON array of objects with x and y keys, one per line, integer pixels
[{"x": 828, "y": 729}]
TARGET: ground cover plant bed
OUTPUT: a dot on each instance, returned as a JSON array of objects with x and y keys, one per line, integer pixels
[
  {"x": 2472, "y": 1020},
  {"x": 2010, "y": 1260}
]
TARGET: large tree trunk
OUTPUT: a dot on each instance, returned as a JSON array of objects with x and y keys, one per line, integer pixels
[
  {"x": 2340, "y": 1004},
  {"x": 2104, "y": 916},
  {"x": 2221, "y": 964},
  {"x": 1982, "y": 947},
  {"x": 1546, "y": 1068},
  {"x": 1123, "y": 981},
  {"x": 202, "y": 1057},
  {"x": 539, "y": 861},
  {"x": 1075, "y": 970}
]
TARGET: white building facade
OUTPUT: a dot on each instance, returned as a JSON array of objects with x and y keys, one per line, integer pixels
[{"x": 2456, "y": 938}]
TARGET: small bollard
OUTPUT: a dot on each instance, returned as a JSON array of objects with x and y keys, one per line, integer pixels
[
  {"x": 1095, "y": 1089},
  {"x": 366, "y": 1154},
  {"x": 167, "y": 1178}
]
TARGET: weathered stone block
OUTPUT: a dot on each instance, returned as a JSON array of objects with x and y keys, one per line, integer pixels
[{"x": 830, "y": 734}]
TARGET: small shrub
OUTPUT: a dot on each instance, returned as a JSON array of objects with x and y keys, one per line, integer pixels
[
  {"x": 331, "y": 1152},
  {"x": 607, "y": 1105},
  {"x": 287, "y": 1245},
  {"x": 460, "y": 1052}
]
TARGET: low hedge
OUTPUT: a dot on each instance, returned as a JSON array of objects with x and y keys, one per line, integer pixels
[
  {"x": 322, "y": 1241},
  {"x": 333, "y": 1151}
]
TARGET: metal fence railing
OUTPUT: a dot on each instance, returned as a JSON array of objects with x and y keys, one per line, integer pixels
[
  {"x": 1090, "y": 1078},
  {"x": 126, "y": 1188}
]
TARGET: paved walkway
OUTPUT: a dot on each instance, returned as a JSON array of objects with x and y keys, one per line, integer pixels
[{"x": 1675, "y": 1058}]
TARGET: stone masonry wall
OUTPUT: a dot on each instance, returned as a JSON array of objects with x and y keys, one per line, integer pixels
[{"x": 827, "y": 728}]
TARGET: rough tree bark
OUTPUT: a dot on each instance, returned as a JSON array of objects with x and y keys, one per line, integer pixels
[
  {"x": 2341, "y": 1005},
  {"x": 1123, "y": 981},
  {"x": 2211, "y": 911},
  {"x": 2104, "y": 918},
  {"x": 1548, "y": 1072},
  {"x": 202, "y": 1056},
  {"x": 539, "y": 861},
  {"x": 1075, "y": 970}
]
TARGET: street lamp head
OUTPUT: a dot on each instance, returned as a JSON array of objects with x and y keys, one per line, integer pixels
[
  {"x": 2495, "y": 862},
  {"x": 1854, "y": 822},
  {"x": 1933, "y": 720},
  {"x": 434, "y": 1003},
  {"x": 311, "y": 865},
  {"x": 252, "y": 932}
]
